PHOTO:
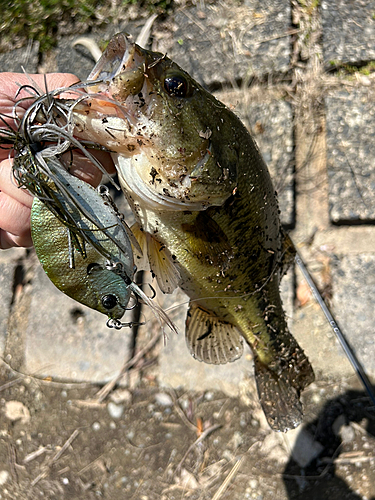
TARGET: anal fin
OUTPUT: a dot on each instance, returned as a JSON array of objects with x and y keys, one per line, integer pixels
[{"x": 210, "y": 339}]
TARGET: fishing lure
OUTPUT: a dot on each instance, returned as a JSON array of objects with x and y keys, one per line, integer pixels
[{"x": 81, "y": 239}]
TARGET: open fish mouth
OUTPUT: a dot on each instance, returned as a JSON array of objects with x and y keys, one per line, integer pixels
[
  {"x": 119, "y": 60},
  {"x": 109, "y": 114},
  {"x": 133, "y": 108}
]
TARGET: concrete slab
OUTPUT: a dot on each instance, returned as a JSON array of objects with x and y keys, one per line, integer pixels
[
  {"x": 353, "y": 282},
  {"x": 270, "y": 122},
  {"x": 74, "y": 59},
  {"x": 78, "y": 59},
  {"x": 350, "y": 155},
  {"x": 68, "y": 341},
  {"x": 224, "y": 42},
  {"x": 348, "y": 31}
]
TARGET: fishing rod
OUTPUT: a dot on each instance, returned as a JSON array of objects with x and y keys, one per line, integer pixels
[{"x": 336, "y": 329}]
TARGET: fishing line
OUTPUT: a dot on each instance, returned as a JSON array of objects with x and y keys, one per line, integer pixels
[
  {"x": 277, "y": 266},
  {"x": 336, "y": 330}
]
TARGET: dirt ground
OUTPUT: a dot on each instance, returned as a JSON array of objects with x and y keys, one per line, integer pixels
[{"x": 56, "y": 441}]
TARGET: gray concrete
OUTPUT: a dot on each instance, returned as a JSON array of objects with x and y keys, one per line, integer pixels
[
  {"x": 353, "y": 303},
  {"x": 224, "y": 42},
  {"x": 77, "y": 59},
  {"x": 68, "y": 341},
  {"x": 348, "y": 31},
  {"x": 350, "y": 155},
  {"x": 17, "y": 59},
  {"x": 6, "y": 293}
]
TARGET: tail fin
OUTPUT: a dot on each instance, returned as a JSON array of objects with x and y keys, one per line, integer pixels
[
  {"x": 279, "y": 399},
  {"x": 281, "y": 382}
]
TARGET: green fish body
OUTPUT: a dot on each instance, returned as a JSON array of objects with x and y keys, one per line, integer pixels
[{"x": 207, "y": 214}]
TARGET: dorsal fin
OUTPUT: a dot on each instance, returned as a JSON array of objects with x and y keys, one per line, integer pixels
[{"x": 210, "y": 339}]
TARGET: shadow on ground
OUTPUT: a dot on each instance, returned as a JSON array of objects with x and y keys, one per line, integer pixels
[{"x": 329, "y": 475}]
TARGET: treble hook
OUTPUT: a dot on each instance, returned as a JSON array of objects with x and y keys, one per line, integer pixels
[{"x": 117, "y": 324}]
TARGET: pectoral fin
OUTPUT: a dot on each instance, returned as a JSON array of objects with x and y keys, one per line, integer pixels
[
  {"x": 140, "y": 257},
  {"x": 211, "y": 339},
  {"x": 155, "y": 257},
  {"x": 162, "y": 265}
]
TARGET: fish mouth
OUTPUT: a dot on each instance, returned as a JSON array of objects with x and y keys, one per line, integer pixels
[
  {"x": 129, "y": 111},
  {"x": 109, "y": 114},
  {"x": 122, "y": 64},
  {"x": 114, "y": 59}
]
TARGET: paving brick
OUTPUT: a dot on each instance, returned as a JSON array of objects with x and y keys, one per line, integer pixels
[
  {"x": 353, "y": 304},
  {"x": 6, "y": 293},
  {"x": 270, "y": 122},
  {"x": 350, "y": 155},
  {"x": 225, "y": 42},
  {"x": 74, "y": 59},
  {"x": 348, "y": 31},
  {"x": 26, "y": 57},
  {"x": 69, "y": 341}
]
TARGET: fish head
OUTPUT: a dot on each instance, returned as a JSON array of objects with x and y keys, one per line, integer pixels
[{"x": 167, "y": 132}]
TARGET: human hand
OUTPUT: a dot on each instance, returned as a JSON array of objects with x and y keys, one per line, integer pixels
[{"x": 15, "y": 203}]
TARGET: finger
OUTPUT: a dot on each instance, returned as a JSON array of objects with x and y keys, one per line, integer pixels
[
  {"x": 14, "y": 222},
  {"x": 11, "y": 82},
  {"x": 8, "y": 240},
  {"x": 83, "y": 168},
  {"x": 6, "y": 151},
  {"x": 8, "y": 185}
]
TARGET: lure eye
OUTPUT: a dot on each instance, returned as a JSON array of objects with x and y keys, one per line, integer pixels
[
  {"x": 176, "y": 85},
  {"x": 109, "y": 301}
]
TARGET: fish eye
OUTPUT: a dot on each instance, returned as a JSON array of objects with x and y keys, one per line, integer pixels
[
  {"x": 109, "y": 301},
  {"x": 176, "y": 85}
]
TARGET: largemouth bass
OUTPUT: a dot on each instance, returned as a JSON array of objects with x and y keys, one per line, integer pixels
[{"x": 207, "y": 214}]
